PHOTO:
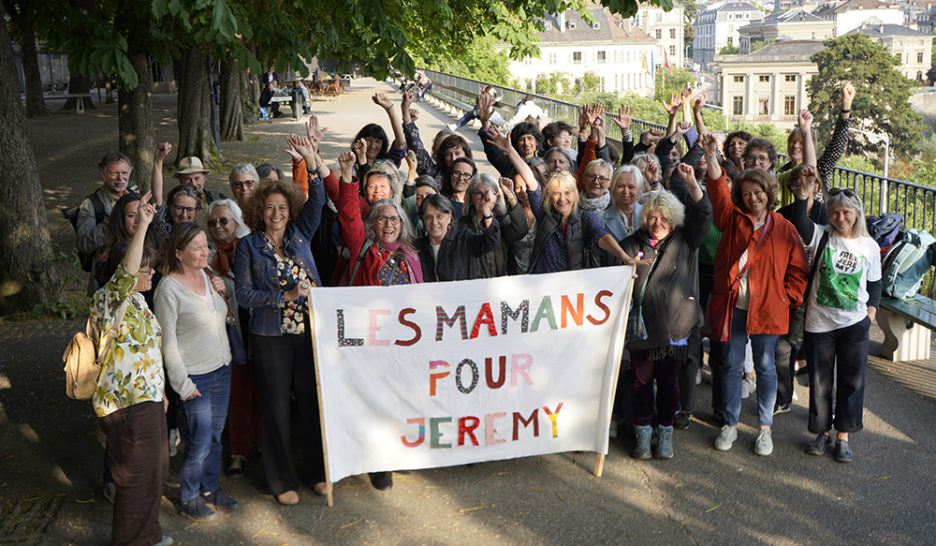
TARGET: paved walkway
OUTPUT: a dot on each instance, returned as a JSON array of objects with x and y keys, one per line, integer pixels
[{"x": 50, "y": 456}]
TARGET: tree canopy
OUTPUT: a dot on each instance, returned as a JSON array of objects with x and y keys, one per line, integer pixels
[{"x": 881, "y": 107}]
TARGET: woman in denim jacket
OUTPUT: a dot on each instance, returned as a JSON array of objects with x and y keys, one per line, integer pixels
[{"x": 274, "y": 272}]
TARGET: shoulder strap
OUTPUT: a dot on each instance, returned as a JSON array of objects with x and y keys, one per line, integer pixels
[
  {"x": 357, "y": 263},
  {"x": 750, "y": 259},
  {"x": 815, "y": 263},
  {"x": 99, "y": 214}
]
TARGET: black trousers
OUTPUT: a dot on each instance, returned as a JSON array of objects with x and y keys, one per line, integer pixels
[
  {"x": 138, "y": 451},
  {"x": 706, "y": 282},
  {"x": 838, "y": 358},
  {"x": 788, "y": 346},
  {"x": 284, "y": 366}
]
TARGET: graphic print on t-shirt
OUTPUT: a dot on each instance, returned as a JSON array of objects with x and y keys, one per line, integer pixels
[{"x": 839, "y": 278}]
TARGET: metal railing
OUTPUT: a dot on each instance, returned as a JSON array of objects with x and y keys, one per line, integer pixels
[
  {"x": 880, "y": 195},
  {"x": 465, "y": 90}
]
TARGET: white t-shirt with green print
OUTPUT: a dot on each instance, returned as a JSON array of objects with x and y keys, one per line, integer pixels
[{"x": 838, "y": 297}]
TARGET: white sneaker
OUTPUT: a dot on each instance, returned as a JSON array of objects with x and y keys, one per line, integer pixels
[
  {"x": 726, "y": 438},
  {"x": 763, "y": 445},
  {"x": 747, "y": 387}
]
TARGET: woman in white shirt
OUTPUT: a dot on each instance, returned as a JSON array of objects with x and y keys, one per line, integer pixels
[
  {"x": 843, "y": 295},
  {"x": 190, "y": 308}
]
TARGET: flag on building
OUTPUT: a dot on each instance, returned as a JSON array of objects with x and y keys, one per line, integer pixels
[{"x": 667, "y": 63}]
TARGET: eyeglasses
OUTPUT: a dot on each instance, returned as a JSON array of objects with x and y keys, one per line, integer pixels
[
  {"x": 594, "y": 177},
  {"x": 147, "y": 271},
  {"x": 394, "y": 220},
  {"x": 760, "y": 158},
  {"x": 223, "y": 222},
  {"x": 187, "y": 210},
  {"x": 848, "y": 192},
  {"x": 462, "y": 175},
  {"x": 243, "y": 184}
]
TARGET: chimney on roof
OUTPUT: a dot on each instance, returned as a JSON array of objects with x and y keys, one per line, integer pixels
[{"x": 562, "y": 22}]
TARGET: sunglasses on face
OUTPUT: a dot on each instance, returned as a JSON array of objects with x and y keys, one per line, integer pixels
[{"x": 223, "y": 222}]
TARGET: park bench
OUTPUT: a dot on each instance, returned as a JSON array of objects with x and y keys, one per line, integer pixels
[
  {"x": 907, "y": 326},
  {"x": 79, "y": 105}
]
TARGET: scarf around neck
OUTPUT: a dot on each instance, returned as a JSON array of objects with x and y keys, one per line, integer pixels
[
  {"x": 220, "y": 264},
  {"x": 595, "y": 204},
  {"x": 411, "y": 258}
]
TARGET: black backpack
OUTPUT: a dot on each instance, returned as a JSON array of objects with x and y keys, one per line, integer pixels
[{"x": 87, "y": 260}]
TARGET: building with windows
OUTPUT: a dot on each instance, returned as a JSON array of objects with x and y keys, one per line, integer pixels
[
  {"x": 666, "y": 27},
  {"x": 617, "y": 51},
  {"x": 768, "y": 84},
  {"x": 795, "y": 24},
  {"x": 717, "y": 27},
  {"x": 851, "y": 14},
  {"x": 912, "y": 47}
]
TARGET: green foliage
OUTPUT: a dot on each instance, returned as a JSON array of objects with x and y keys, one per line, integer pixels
[
  {"x": 858, "y": 163},
  {"x": 610, "y": 101},
  {"x": 881, "y": 105},
  {"x": 484, "y": 62},
  {"x": 729, "y": 50},
  {"x": 667, "y": 84},
  {"x": 714, "y": 119}
]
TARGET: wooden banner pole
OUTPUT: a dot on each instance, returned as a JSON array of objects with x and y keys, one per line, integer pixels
[{"x": 600, "y": 459}]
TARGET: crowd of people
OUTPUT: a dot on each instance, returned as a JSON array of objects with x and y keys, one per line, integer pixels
[{"x": 211, "y": 293}]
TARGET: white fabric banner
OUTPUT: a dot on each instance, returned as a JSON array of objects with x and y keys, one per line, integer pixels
[{"x": 443, "y": 374}]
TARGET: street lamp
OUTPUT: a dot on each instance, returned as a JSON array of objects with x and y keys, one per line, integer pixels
[{"x": 885, "y": 137}]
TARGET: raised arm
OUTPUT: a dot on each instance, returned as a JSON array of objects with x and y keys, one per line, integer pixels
[
  {"x": 156, "y": 182},
  {"x": 134, "y": 255},
  {"x": 623, "y": 121},
  {"x": 697, "y": 114},
  {"x": 833, "y": 151},
  {"x": 399, "y": 140},
  {"x": 496, "y": 156},
  {"x": 501, "y": 142}
]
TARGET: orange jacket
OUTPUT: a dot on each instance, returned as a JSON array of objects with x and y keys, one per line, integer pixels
[{"x": 776, "y": 279}]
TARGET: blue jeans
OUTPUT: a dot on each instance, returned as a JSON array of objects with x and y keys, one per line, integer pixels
[
  {"x": 764, "y": 346},
  {"x": 206, "y": 414}
]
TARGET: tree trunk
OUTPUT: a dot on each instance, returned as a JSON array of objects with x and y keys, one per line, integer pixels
[
  {"x": 78, "y": 83},
  {"x": 232, "y": 113},
  {"x": 26, "y": 273},
  {"x": 35, "y": 102},
  {"x": 193, "y": 107},
  {"x": 135, "y": 119}
]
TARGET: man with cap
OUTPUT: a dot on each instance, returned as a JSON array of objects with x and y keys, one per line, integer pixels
[{"x": 191, "y": 171}]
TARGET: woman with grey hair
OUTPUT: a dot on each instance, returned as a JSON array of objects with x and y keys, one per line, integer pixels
[
  {"x": 448, "y": 254},
  {"x": 559, "y": 160},
  {"x": 595, "y": 183},
  {"x": 665, "y": 306},
  {"x": 243, "y": 179},
  {"x": 622, "y": 216},
  {"x": 842, "y": 300},
  {"x": 396, "y": 184},
  {"x": 507, "y": 211},
  {"x": 182, "y": 205}
]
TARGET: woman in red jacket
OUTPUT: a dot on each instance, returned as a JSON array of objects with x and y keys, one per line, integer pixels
[{"x": 760, "y": 259}]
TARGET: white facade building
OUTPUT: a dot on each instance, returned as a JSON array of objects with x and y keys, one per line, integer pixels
[
  {"x": 717, "y": 27},
  {"x": 852, "y": 14},
  {"x": 666, "y": 27},
  {"x": 618, "y": 52}
]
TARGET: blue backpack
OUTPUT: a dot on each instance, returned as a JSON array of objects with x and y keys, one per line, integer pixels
[{"x": 906, "y": 263}]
